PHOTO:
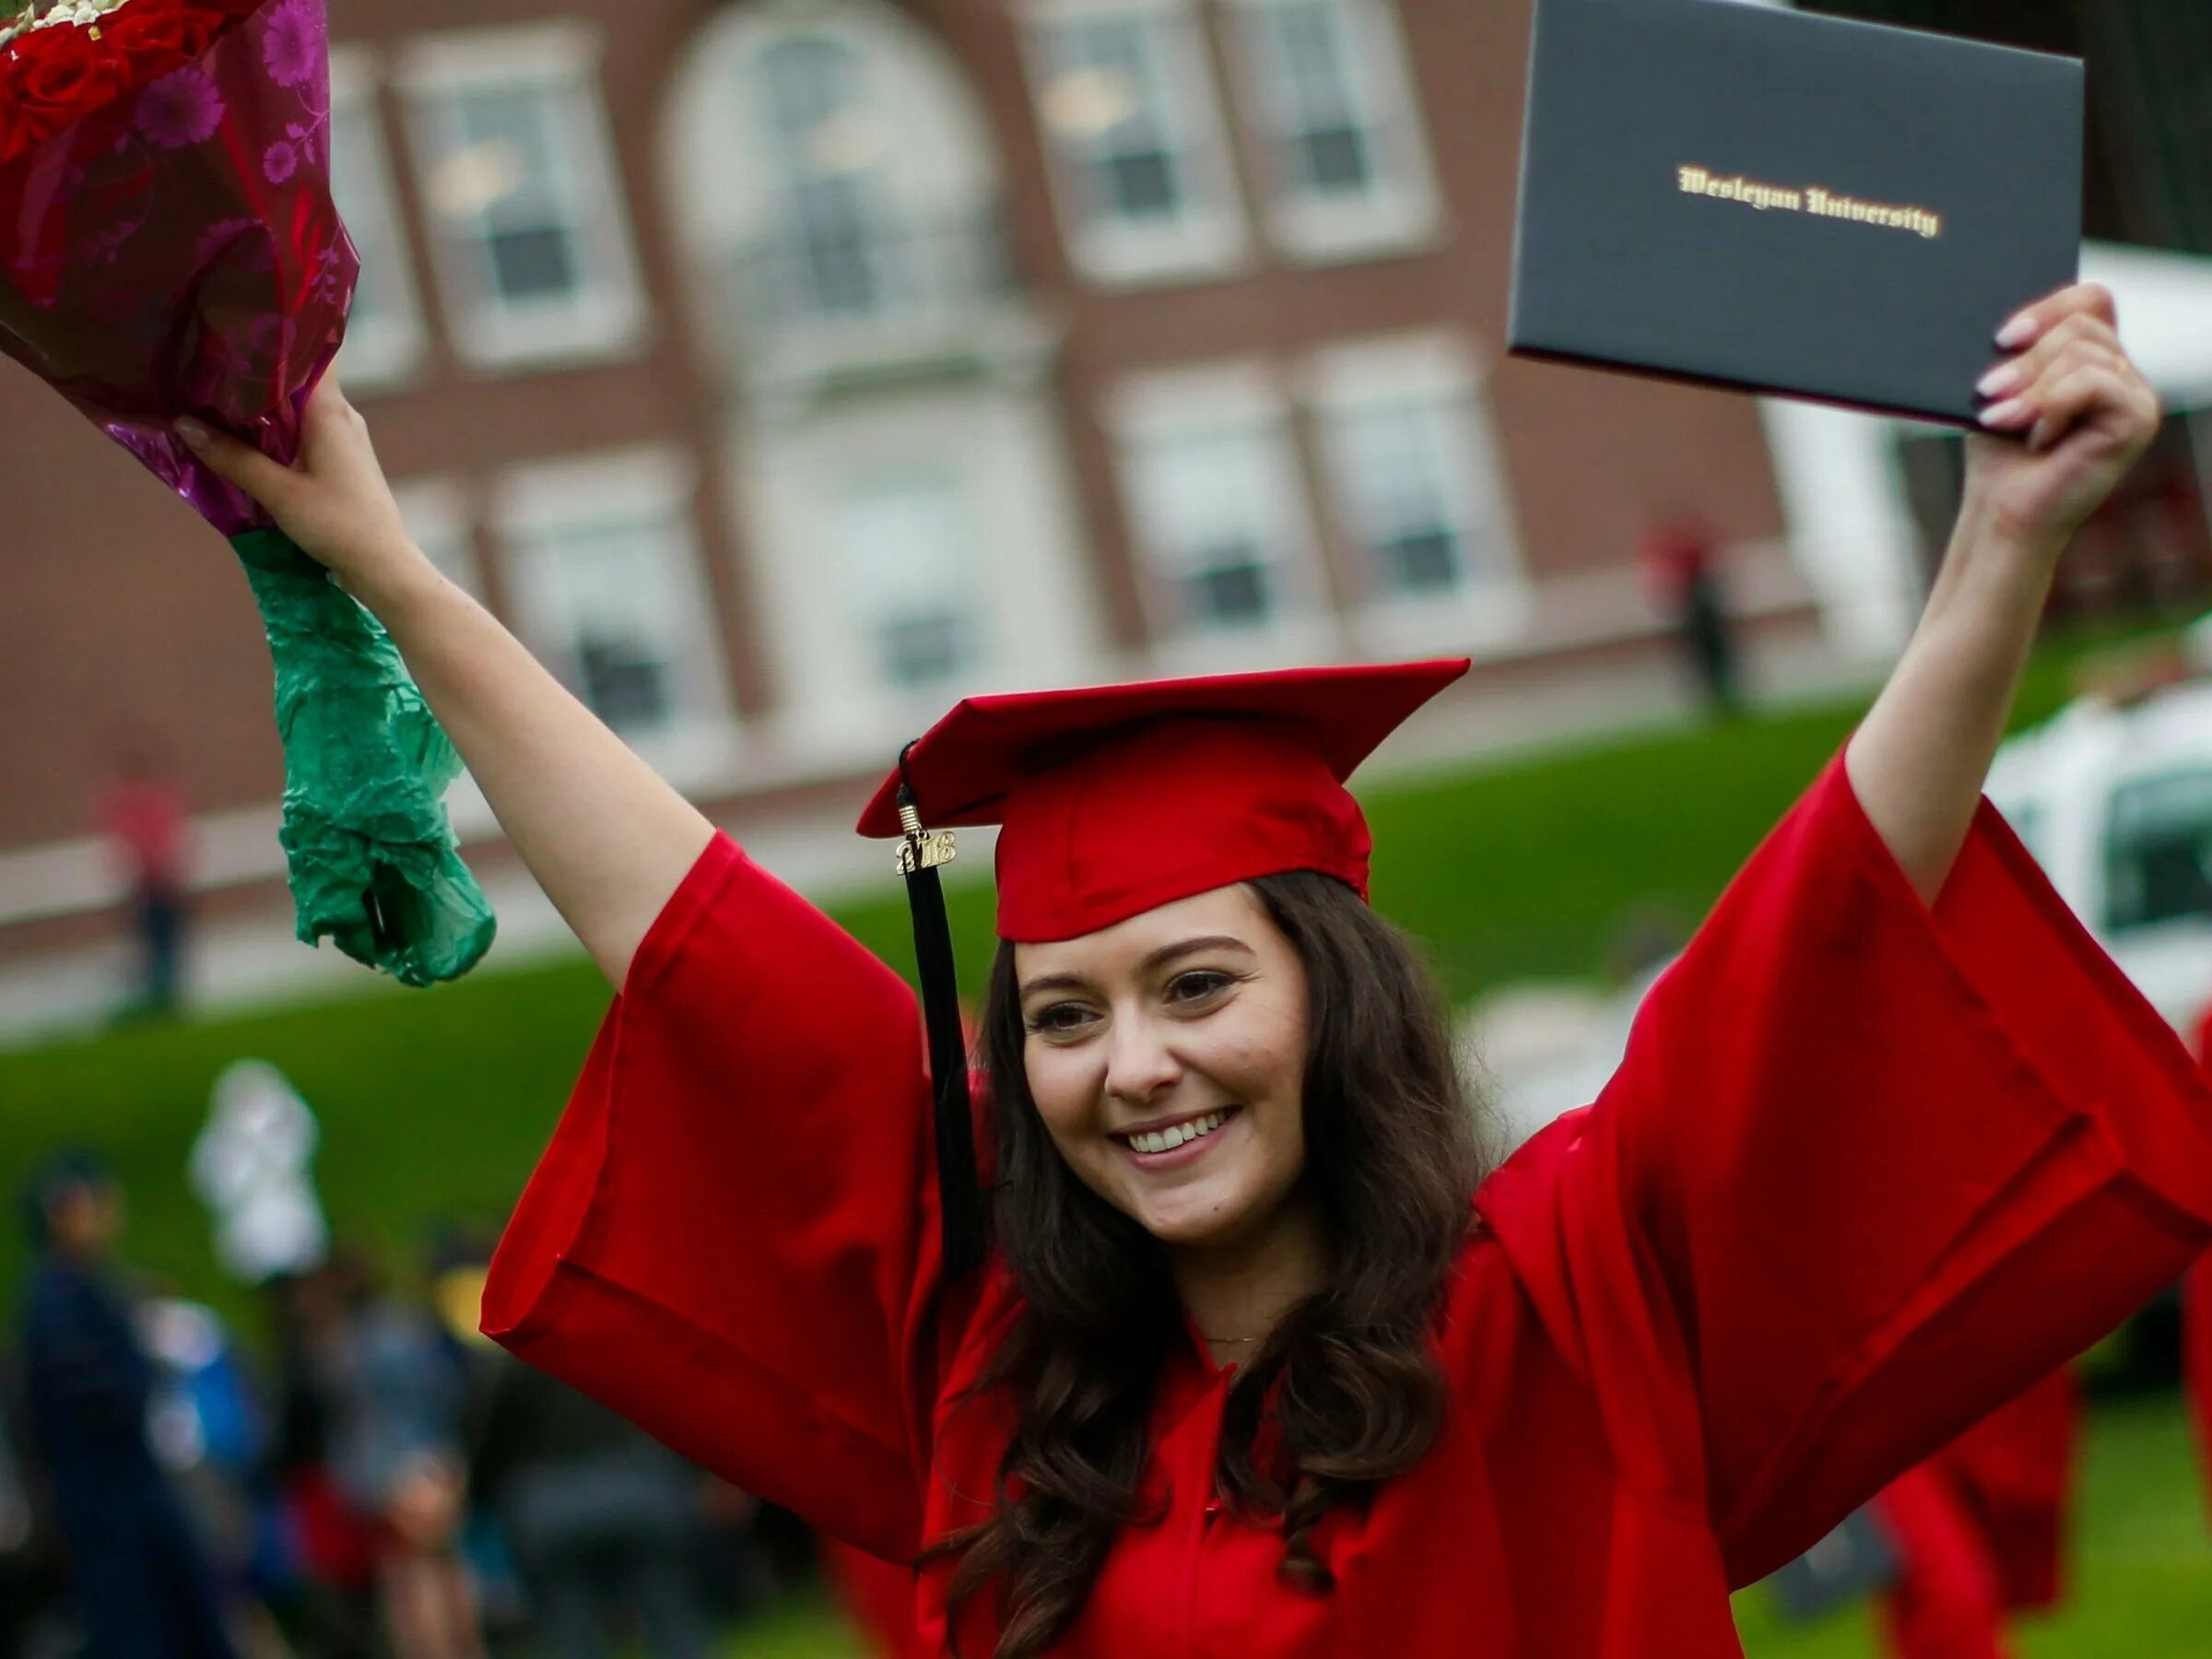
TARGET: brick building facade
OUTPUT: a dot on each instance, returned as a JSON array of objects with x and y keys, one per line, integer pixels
[{"x": 782, "y": 369}]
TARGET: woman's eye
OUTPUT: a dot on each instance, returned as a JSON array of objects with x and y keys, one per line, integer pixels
[
  {"x": 1059, "y": 1020},
  {"x": 1197, "y": 985}
]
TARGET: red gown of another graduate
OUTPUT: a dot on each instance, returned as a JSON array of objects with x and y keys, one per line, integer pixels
[
  {"x": 2196, "y": 1316},
  {"x": 1868, "y": 1171},
  {"x": 2196, "y": 1365},
  {"x": 1980, "y": 1528}
]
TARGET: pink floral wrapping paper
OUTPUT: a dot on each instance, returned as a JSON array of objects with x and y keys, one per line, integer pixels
[{"x": 178, "y": 252}]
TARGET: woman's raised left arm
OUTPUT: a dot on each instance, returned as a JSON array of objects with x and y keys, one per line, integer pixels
[{"x": 1918, "y": 761}]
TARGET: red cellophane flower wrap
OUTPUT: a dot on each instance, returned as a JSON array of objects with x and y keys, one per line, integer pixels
[{"x": 169, "y": 247}]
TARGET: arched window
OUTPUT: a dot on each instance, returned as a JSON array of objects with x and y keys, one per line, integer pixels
[
  {"x": 839, "y": 187},
  {"x": 827, "y": 146}
]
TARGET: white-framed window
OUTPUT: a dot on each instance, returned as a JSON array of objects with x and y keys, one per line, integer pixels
[
  {"x": 828, "y": 151},
  {"x": 385, "y": 335},
  {"x": 1141, "y": 170},
  {"x": 1416, "y": 488},
  {"x": 1216, "y": 502},
  {"x": 1343, "y": 154},
  {"x": 906, "y": 548},
  {"x": 531, "y": 236},
  {"x": 835, "y": 182},
  {"x": 438, "y": 519},
  {"x": 604, "y": 580},
  {"x": 907, "y": 541}
]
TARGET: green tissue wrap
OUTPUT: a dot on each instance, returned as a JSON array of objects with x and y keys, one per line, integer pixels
[{"x": 373, "y": 864}]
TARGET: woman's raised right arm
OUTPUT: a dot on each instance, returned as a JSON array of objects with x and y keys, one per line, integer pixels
[{"x": 604, "y": 836}]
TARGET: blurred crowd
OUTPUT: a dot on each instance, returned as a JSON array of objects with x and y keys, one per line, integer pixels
[{"x": 362, "y": 1475}]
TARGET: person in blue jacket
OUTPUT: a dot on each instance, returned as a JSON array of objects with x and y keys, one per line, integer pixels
[{"x": 140, "y": 1580}]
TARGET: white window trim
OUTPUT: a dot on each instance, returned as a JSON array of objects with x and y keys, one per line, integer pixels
[
  {"x": 868, "y": 616},
  {"x": 703, "y": 745},
  {"x": 1209, "y": 240},
  {"x": 609, "y": 319},
  {"x": 468, "y": 57},
  {"x": 1404, "y": 211},
  {"x": 381, "y": 354},
  {"x": 1493, "y": 610},
  {"x": 1196, "y": 399}
]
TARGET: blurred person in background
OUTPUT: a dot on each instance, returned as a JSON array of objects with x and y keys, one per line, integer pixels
[
  {"x": 396, "y": 1391},
  {"x": 1680, "y": 558},
  {"x": 140, "y": 1578},
  {"x": 142, "y": 813},
  {"x": 1978, "y": 1530},
  {"x": 329, "y": 1604},
  {"x": 210, "y": 1432},
  {"x": 602, "y": 1519},
  {"x": 2196, "y": 1367},
  {"x": 2197, "y": 1284},
  {"x": 31, "y": 1580}
]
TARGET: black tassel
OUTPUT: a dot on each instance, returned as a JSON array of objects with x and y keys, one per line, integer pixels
[{"x": 959, "y": 1194}]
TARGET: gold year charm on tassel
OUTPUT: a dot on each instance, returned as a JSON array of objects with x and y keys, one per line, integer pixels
[{"x": 920, "y": 850}]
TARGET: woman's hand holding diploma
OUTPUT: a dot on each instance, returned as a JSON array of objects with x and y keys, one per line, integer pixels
[{"x": 2069, "y": 414}]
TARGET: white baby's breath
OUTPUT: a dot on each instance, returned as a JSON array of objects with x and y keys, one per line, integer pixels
[{"x": 74, "y": 14}]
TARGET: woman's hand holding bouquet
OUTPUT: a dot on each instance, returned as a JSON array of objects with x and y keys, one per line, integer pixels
[{"x": 168, "y": 251}]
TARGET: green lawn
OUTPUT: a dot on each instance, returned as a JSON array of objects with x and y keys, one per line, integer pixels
[{"x": 805, "y": 1628}]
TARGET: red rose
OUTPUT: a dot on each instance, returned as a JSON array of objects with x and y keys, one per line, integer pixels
[
  {"x": 19, "y": 129},
  {"x": 61, "y": 74},
  {"x": 152, "y": 39}
]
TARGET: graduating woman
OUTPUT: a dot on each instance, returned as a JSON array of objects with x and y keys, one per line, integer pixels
[{"x": 1248, "y": 1356}]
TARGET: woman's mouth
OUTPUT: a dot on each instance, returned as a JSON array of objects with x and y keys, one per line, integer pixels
[{"x": 1166, "y": 1146}]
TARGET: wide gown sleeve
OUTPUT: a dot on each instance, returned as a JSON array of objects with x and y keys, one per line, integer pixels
[
  {"x": 1868, "y": 1170},
  {"x": 731, "y": 1239}
]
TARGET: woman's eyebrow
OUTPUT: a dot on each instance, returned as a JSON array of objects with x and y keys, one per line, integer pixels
[
  {"x": 1152, "y": 963},
  {"x": 1182, "y": 948}
]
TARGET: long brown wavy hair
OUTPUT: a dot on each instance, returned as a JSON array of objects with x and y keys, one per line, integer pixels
[{"x": 1347, "y": 1379}]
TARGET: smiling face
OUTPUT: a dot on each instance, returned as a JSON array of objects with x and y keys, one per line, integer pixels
[{"x": 1166, "y": 1055}]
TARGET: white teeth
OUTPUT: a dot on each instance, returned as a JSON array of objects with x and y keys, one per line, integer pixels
[{"x": 1175, "y": 1135}]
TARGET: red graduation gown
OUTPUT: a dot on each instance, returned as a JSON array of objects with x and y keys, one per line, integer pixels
[
  {"x": 2196, "y": 1315},
  {"x": 1980, "y": 1528},
  {"x": 2196, "y": 1365},
  {"x": 1868, "y": 1171}
]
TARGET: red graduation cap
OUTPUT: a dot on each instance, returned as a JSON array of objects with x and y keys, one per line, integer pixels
[{"x": 1116, "y": 799}]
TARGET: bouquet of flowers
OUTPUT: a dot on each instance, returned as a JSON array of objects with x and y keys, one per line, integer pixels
[{"x": 169, "y": 247}]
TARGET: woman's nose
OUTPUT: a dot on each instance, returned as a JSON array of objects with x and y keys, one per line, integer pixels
[{"x": 1140, "y": 1065}]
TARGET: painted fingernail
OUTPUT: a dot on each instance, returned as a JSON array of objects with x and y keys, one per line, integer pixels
[
  {"x": 2006, "y": 412},
  {"x": 2000, "y": 382},
  {"x": 192, "y": 431},
  {"x": 2017, "y": 332}
]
